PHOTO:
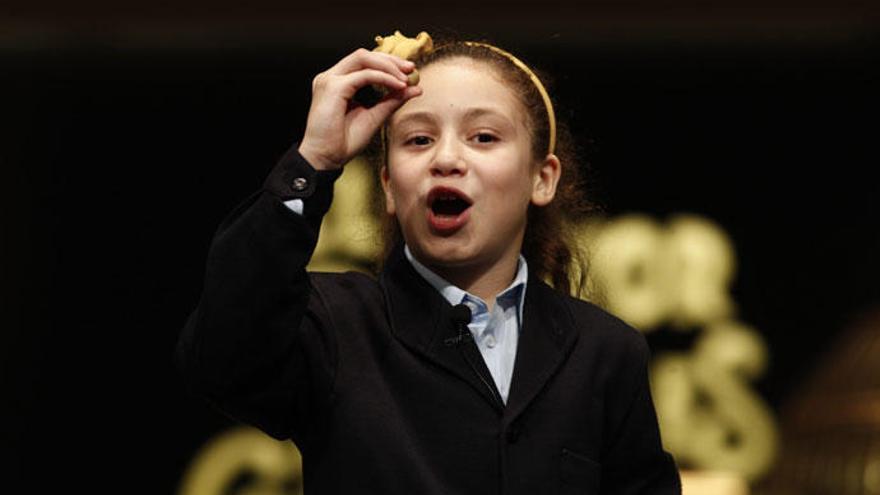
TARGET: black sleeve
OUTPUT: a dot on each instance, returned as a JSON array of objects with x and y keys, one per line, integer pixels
[
  {"x": 259, "y": 344},
  {"x": 634, "y": 460}
]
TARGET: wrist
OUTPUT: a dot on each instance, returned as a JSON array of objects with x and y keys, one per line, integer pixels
[{"x": 316, "y": 160}]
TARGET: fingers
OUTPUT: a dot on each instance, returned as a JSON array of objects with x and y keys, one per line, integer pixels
[
  {"x": 365, "y": 59},
  {"x": 365, "y": 121},
  {"x": 379, "y": 112},
  {"x": 348, "y": 84},
  {"x": 393, "y": 101}
]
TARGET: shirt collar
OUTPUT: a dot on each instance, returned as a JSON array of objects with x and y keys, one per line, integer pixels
[{"x": 455, "y": 295}]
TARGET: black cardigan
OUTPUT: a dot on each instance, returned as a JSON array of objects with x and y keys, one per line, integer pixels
[{"x": 357, "y": 372}]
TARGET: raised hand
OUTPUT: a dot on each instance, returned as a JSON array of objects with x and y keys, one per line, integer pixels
[{"x": 338, "y": 128}]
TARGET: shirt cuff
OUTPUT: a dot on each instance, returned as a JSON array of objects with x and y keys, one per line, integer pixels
[
  {"x": 295, "y": 205},
  {"x": 294, "y": 178}
]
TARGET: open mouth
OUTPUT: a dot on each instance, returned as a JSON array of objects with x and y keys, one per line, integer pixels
[
  {"x": 448, "y": 210},
  {"x": 448, "y": 202}
]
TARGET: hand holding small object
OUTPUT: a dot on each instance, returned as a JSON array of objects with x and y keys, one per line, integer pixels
[{"x": 339, "y": 125}]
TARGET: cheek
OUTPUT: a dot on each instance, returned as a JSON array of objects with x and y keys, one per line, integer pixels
[
  {"x": 512, "y": 183},
  {"x": 402, "y": 189}
]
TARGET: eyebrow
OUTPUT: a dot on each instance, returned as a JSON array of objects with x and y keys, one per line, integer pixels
[{"x": 415, "y": 117}]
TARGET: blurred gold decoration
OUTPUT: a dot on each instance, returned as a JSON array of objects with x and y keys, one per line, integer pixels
[
  {"x": 678, "y": 274},
  {"x": 650, "y": 274},
  {"x": 702, "y": 255},
  {"x": 627, "y": 268},
  {"x": 831, "y": 426},
  {"x": 712, "y": 483},
  {"x": 709, "y": 416},
  {"x": 244, "y": 461},
  {"x": 350, "y": 232}
]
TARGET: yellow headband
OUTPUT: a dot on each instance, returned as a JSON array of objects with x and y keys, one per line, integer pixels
[
  {"x": 411, "y": 48},
  {"x": 551, "y": 115}
]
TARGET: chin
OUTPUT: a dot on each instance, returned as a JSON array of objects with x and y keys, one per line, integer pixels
[{"x": 445, "y": 252}]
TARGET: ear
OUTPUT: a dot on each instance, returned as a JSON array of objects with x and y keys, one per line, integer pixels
[
  {"x": 386, "y": 187},
  {"x": 545, "y": 180}
]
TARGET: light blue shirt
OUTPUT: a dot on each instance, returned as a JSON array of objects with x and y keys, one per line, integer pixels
[{"x": 495, "y": 332}]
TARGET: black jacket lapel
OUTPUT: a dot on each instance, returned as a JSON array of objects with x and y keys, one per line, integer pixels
[
  {"x": 546, "y": 339},
  {"x": 421, "y": 319}
]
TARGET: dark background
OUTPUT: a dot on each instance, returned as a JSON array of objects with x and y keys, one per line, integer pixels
[{"x": 128, "y": 132}]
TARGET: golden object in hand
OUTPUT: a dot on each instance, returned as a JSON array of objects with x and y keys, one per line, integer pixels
[{"x": 406, "y": 48}]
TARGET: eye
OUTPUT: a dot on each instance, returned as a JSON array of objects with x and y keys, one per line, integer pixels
[
  {"x": 419, "y": 140},
  {"x": 485, "y": 137}
]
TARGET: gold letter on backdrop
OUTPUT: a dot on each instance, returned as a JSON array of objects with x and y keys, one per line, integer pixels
[
  {"x": 247, "y": 459},
  {"x": 679, "y": 274},
  {"x": 650, "y": 274},
  {"x": 708, "y": 415}
]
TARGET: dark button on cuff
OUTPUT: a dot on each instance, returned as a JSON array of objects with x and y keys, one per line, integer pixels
[{"x": 299, "y": 184}]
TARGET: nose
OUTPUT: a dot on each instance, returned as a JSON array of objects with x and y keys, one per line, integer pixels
[{"x": 448, "y": 158}]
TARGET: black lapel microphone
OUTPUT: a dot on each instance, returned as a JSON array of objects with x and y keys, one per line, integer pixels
[{"x": 461, "y": 316}]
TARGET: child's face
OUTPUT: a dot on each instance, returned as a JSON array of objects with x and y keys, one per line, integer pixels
[{"x": 460, "y": 173}]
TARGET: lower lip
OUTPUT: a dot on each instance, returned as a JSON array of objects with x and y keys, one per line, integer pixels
[{"x": 447, "y": 224}]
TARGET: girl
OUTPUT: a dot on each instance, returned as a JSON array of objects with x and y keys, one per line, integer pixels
[{"x": 458, "y": 371}]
